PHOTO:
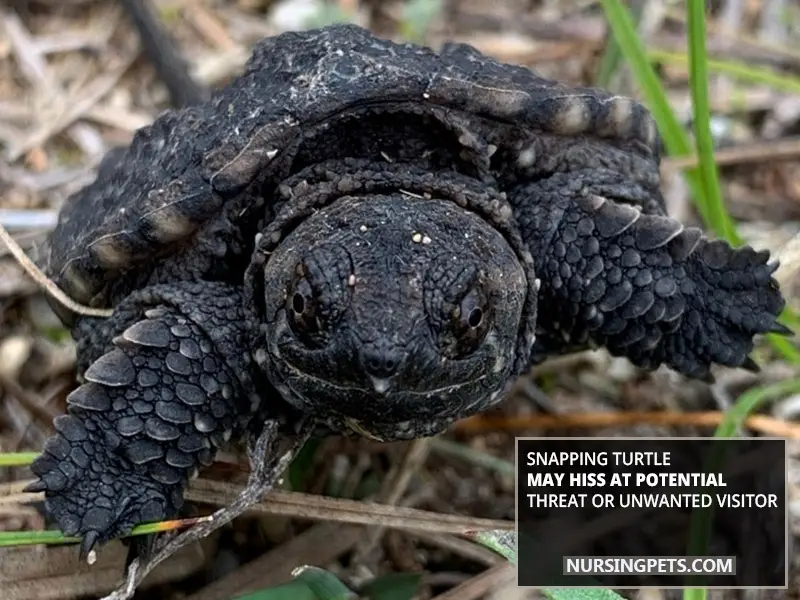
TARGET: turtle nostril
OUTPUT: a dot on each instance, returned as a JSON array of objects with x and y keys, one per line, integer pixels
[{"x": 380, "y": 362}]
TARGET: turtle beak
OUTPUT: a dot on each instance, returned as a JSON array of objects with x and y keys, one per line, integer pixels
[{"x": 381, "y": 384}]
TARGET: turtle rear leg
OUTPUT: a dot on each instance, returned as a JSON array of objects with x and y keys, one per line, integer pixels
[
  {"x": 167, "y": 385},
  {"x": 641, "y": 285}
]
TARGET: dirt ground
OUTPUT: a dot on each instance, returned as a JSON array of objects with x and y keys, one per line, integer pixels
[{"x": 73, "y": 84}]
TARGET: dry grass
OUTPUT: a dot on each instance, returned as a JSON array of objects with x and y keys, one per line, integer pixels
[{"x": 72, "y": 85}]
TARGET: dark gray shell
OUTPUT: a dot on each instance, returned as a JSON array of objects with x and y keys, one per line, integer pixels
[{"x": 181, "y": 171}]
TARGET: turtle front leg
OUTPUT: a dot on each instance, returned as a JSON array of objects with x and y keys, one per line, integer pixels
[
  {"x": 168, "y": 383},
  {"x": 641, "y": 285}
]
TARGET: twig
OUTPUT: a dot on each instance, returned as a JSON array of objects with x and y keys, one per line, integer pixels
[
  {"x": 45, "y": 282},
  {"x": 323, "y": 508},
  {"x": 762, "y": 151}
]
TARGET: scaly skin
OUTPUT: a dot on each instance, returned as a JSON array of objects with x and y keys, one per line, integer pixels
[
  {"x": 170, "y": 389},
  {"x": 640, "y": 285}
]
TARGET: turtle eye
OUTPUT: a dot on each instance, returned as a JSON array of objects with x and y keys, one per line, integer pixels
[
  {"x": 302, "y": 308},
  {"x": 470, "y": 321}
]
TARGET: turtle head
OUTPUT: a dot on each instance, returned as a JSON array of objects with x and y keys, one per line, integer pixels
[{"x": 391, "y": 315}]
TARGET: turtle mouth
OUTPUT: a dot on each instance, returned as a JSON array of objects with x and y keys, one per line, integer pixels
[
  {"x": 327, "y": 387},
  {"x": 345, "y": 408}
]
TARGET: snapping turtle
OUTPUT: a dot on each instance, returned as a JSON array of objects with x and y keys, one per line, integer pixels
[{"x": 379, "y": 236}]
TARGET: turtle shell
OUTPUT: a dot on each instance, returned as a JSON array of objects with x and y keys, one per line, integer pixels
[{"x": 191, "y": 166}]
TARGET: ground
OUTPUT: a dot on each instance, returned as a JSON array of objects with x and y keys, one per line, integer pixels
[{"x": 72, "y": 84}]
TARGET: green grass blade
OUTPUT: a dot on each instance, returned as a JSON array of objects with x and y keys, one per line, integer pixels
[
  {"x": 784, "y": 346},
  {"x": 676, "y": 139},
  {"x": 695, "y": 594},
  {"x": 29, "y": 538},
  {"x": 17, "y": 459},
  {"x": 53, "y": 536},
  {"x": 704, "y": 141},
  {"x": 751, "y": 401}
]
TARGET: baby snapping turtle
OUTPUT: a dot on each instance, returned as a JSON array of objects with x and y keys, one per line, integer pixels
[{"x": 376, "y": 235}]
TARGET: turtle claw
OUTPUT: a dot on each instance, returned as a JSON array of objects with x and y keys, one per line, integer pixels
[
  {"x": 88, "y": 543},
  {"x": 96, "y": 504},
  {"x": 34, "y": 487},
  {"x": 781, "y": 329},
  {"x": 751, "y": 365}
]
